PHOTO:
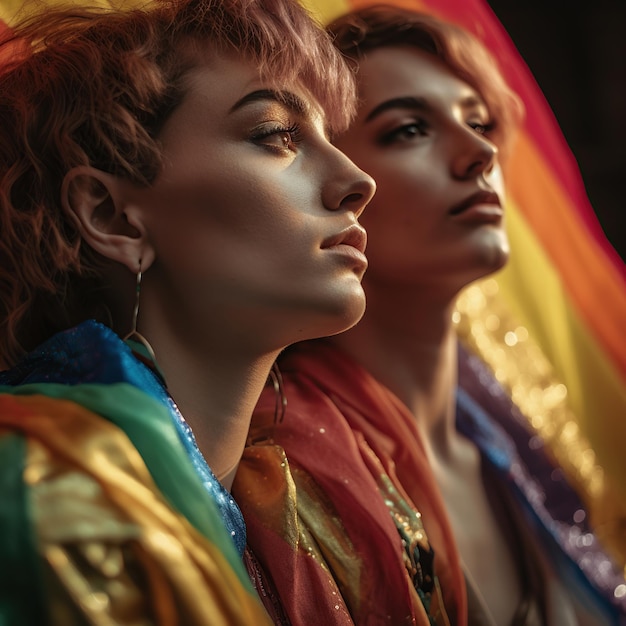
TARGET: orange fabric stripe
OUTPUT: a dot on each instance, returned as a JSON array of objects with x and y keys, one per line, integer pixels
[{"x": 590, "y": 279}]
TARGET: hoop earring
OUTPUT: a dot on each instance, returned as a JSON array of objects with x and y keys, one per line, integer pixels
[
  {"x": 276, "y": 379},
  {"x": 261, "y": 432},
  {"x": 134, "y": 334}
]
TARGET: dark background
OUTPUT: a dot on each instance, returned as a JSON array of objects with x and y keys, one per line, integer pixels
[{"x": 578, "y": 58}]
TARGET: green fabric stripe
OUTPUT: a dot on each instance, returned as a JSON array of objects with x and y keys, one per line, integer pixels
[
  {"x": 21, "y": 587},
  {"x": 148, "y": 425}
]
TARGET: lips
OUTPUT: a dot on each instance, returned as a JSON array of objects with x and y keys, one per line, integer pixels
[
  {"x": 478, "y": 198},
  {"x": 353, "y": 236}
]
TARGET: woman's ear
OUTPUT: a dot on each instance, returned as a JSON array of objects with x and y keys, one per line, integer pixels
[{"x": 95, "y": 201}]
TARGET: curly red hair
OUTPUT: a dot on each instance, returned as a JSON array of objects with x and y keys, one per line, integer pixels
[{"x": 94, "y": 87}]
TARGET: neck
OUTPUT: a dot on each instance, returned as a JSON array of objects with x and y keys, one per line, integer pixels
[
  {"x": 406, "y": 340},
  {"x": 216, "y": 387}
]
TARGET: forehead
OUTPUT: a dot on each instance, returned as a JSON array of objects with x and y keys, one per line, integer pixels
[
  {"x": 399, "y": 71},
  {"x": 221, "y": 84}
]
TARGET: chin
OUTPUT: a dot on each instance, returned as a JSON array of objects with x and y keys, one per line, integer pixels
[
  {"x": 316, "y": 313},
  {"x": 492, "y": 251},
  {"x": 341, "y": 313},
  {"x": 497, "y": 258},
  {"x": 486, "y": 261}
]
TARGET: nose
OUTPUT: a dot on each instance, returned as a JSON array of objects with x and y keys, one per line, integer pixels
[
  {"x": 348, "y": 187},
  {"x": 474, "y": 154}
]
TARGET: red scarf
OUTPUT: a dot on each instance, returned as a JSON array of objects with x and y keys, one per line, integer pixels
[{"x": 313, "y": 492}]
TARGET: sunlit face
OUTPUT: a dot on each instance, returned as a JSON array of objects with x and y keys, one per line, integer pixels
[
  {"x": 253, "y": 219},
  {"x": 423, "y": 134}
]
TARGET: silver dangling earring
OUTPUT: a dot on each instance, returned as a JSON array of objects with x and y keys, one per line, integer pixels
[
  {"x": 134, "y": 334},
  {"x": 263, "y": 434},
  {"x": 281, "y": 400}
]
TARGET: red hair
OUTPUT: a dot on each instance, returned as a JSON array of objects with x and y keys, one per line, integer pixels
[{"x": 94, "y": 87}]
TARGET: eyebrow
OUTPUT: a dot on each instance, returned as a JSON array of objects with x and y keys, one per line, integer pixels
[
  {"x": 406, "y": 102},
  {"x": 286, "y": 98},
  {"x": 415, "y": 104}
]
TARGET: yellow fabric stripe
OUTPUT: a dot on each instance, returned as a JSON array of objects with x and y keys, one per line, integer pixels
[
  {"x": 485, "y": 322},
  {"x": 535, "y": 294},
  {"x": 327, "y": 10}
]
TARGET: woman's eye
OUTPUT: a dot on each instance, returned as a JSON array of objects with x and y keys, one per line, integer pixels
[
  {"x": 481, "y": 128},
  {"x": 280, "y": 138},
  {"x": 406, "y": 132}
]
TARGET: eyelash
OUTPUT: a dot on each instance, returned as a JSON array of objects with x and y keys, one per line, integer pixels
[
  {"x": 294, "y": 131},
  {"x": 396, "y": 133},
  {"x": 485, "y": 129},
  {"x": 422, "y": 126}
]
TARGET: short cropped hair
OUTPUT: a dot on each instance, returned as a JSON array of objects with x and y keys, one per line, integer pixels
[
  {"x": 361, "y": 31},
  {"x": 94, "y": 87}
]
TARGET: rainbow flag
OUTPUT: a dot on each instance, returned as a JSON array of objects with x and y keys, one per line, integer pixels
[{"x": 551, "y": 323}]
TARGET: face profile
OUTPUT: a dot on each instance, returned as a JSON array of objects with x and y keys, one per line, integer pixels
[
  {"x": 425, "y": 137},
  {"x": 245, "y": 218}
]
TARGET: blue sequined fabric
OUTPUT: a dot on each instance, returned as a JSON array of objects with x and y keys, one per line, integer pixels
[{"x": 93, "y": 353}]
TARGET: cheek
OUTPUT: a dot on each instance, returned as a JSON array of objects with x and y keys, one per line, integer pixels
[
  {"x": 411, "y": 200},
  {"x": 402, "y": 177},
  {"x": 391, "y": 230}
]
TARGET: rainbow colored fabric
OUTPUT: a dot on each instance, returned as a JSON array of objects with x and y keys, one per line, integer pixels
[
  {"x": 560, "y": 303},
  {"x": 102, "y": 480}
]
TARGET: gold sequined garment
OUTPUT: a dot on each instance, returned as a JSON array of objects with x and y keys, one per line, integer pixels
[{"x": 489, "y": 329}]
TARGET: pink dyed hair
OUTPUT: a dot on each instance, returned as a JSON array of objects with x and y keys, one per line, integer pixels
[{"x": 94, "y": 87}]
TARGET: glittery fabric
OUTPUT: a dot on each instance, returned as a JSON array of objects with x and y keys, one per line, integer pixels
[
  {"x": 328, "y": 567},
  {"x": 327, "y": 393},
  {"x": 92, "y": 353},
  {"x": 518, "y": 458},
  {"x": 490, "y": 331}
]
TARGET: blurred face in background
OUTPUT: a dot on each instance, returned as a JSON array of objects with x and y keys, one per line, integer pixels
[{"x": 436, "y": 221}]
